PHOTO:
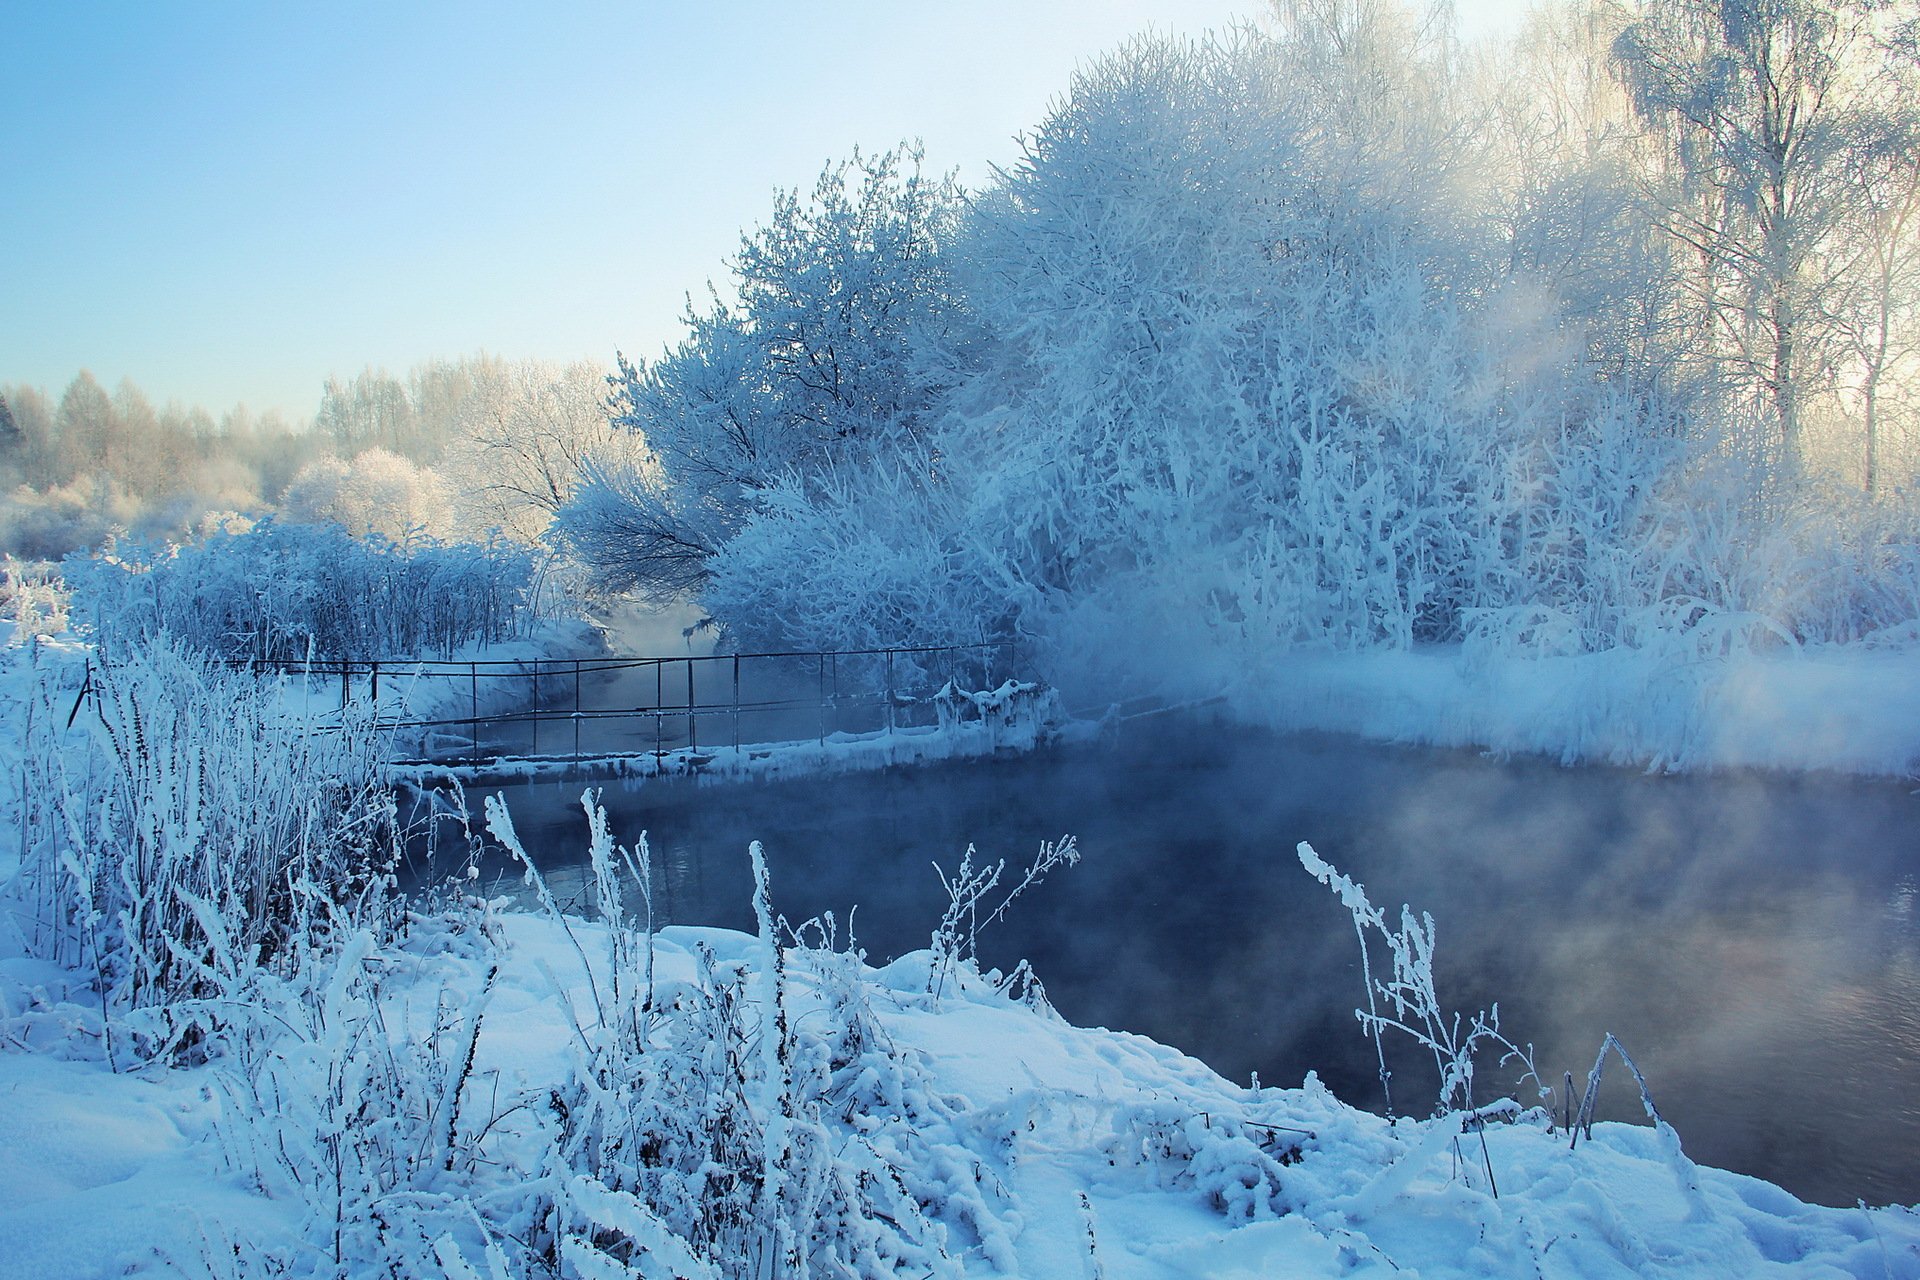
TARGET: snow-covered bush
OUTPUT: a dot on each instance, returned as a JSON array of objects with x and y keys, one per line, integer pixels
[
  {"x": 33, "y": 598},
  {"x": 750, "y": 1122},
  {"x": 287, "y": 592},
  {"x": 864, "y": 558},
  {"x": 337, "y": 1100},
  {"x": 375, "y": 494}
]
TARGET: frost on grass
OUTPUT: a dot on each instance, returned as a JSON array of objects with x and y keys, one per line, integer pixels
[{"x": 435, "y": 1088}]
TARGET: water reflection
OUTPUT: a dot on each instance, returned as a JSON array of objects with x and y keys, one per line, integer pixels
[{"x": 1752, "y": 939}]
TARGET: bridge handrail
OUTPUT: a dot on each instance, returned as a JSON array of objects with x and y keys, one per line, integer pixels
[{"x": 338, "y": 666}]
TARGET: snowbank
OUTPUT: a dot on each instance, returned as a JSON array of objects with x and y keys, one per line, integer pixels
[
  {"x": 1849, "y": 708},
  {"x": 1095, "y": 1153}
]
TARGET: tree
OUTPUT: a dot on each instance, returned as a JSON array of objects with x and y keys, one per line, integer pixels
[
  {"x": 13, "y": 445},
  {"x": 1878, "y": 311},
  {"x": 371, "y": 410},
  {"x": 1569, "y": 157},
  {"x": 840, "y": 342},
  {"x": 527, "y": 436},
  {"x": 83, "y": 427},
  {"x": 1767, "y": 106}
]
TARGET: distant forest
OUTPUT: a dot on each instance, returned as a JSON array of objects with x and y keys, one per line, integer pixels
[{"x": 457, "y": 448}]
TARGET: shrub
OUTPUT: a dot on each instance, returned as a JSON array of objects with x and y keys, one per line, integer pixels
[{"x": 285, "y": 592}]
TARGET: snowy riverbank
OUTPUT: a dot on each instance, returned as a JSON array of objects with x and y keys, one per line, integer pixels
[
  {"x": 1846, "y": 708},
  {"x": 1052, "y": 1150},
  {"x": 461, "y": 1086}
]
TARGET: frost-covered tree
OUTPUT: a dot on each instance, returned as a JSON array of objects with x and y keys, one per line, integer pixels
[
  {"x": 836, "y": 345},
  {"x": 1877, "y": 310},
  {"x": 1240, "y": 383},
  {"x": 527, "y": 436},
  {"x": 1767, "y": 107},
  {"x": 13, "y": 445},
  {"x": 1567, "y": 159},
  {"x": 369, "y": 410},
  {"x": 1318, "y": 335},
  {"x": 376, "y": 493},
  {"x": 1255, "y": 385}
]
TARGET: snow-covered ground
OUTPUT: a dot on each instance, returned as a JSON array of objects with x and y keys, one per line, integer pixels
[
  {"x": 1096, "y": 1153},
  {"x": 1049, "y": 1150},
  {"x": 1852, "y": 709}
]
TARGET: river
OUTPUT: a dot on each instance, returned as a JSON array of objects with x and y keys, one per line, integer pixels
[{"x": 1752, "y": 939}]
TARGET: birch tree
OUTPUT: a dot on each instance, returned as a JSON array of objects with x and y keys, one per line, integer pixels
[{"x": 1766, "y": 106}]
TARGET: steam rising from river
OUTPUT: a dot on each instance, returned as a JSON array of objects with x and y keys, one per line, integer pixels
[{"x": 1751, "y": 938}]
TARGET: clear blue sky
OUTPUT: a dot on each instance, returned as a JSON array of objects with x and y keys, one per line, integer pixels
[{"x": 227, "y": 202}]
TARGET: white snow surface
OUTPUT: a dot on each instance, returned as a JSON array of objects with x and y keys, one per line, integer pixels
[
  {"x": 1852, "y": 708},
  {"x": 1117, "y": 1157},
  {"x": 104, "y": 1174}
]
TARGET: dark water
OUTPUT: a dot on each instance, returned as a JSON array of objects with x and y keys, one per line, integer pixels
[{"x": 1752, "y": 939}]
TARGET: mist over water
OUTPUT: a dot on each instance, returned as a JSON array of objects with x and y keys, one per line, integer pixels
[{"x": 1752, "y": 939}]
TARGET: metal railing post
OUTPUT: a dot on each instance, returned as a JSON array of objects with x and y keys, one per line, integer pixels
[
  {"x": 659, "y": 705},
  {"x": 576, "y": 711},
  {"x": 823, "y": 699},
  {"x": 473, "y": 690},
  {"x": 693, "y": 740},
  {"x": 889, "y": 693},
  {"x": 736, "y": 702}
]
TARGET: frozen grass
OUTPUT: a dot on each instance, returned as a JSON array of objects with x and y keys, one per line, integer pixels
[
  {"x": 533, "y": 1095},
  {"x": 331, "y": 1082}
]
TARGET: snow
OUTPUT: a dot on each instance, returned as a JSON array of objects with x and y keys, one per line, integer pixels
[
  {"x": 1051, "y": 1150},
  {"x": 1852, "y": 709},
  {"x": 105, "y": 1174}
]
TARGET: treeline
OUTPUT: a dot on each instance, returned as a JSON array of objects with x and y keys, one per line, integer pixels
[
  {"x": 76, "y": 469},
  {"x": 1331, "y": 333},
  {"x": 458, "y": 448}
]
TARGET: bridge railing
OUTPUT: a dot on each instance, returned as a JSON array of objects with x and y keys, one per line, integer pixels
[{"x": 583, "y": 708}]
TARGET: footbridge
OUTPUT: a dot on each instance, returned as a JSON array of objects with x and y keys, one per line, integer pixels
[{"x": 690, "y": 713}]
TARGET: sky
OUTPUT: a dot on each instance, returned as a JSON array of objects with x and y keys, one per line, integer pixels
[{"x": 227, "y": 202}]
